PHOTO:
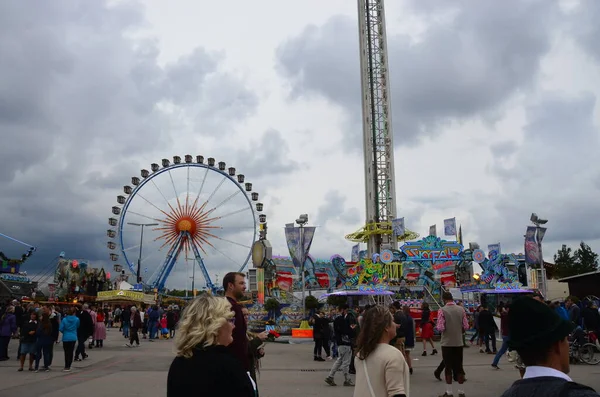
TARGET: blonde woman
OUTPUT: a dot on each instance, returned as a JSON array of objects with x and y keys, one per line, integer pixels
[
  {"x": 381, "y": 369},
  {"x": 204, "y": 366}
]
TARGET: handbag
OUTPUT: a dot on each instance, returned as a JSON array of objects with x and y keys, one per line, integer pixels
[{"x": 368, "y": 379}]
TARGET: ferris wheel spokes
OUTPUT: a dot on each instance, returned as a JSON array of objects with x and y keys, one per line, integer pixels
[{"x": 169, "y": 263}]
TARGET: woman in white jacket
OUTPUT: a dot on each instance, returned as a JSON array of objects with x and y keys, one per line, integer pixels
[{"x": 381, "y": 369}]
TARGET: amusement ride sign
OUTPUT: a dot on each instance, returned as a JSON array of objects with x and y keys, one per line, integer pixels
[{"x": 432, "y": 248}]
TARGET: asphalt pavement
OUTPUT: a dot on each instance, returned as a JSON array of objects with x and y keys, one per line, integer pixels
[{"x": 287, "y": 370}]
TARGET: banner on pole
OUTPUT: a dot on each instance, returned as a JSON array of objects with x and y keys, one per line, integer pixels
[
  {"x": 260, "y": 283},
  {"x": 532, "y": 251},
  {"x": 292, "y": 238},
  {"x": 294, "y": 243},
  {"x": 450, "y": 227},
  {"x": 494, "y": 247},
  {"x": 354, "y": 256},
  {"x": 433, "y": 230},
  {"x": 398, "y": 228},
  {"x": 541, "y": 232}
]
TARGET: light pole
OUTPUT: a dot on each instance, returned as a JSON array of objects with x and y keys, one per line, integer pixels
[
  {"x": 193, "y": 275},
  {"x": 302, "y": 221},
  {"x": 139, "y": 261},
  {"x": 539, "y": 235}
]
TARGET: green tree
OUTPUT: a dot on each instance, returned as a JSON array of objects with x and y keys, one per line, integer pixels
[
  {"x": 586, "y": 260},
  {"x": 564, "y": 261},
  {"x": 311, "y": 302},
  {"x": 336, "y": 300},
  {"x": 271, "y": 306}
]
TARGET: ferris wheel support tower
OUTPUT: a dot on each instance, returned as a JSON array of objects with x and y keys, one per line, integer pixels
[{"x": 378, "y": 137}]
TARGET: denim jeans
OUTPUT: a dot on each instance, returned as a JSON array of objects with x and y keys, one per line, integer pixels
[
  {"x": 152, "y": 328},
  {"x": 126, "y": 329},
  {"x": 47, "y": 351},
  {"x": 502, "y": 350}
]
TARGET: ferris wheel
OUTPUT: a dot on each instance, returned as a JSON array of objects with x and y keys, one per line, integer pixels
[{"x": 181, "y": 215}]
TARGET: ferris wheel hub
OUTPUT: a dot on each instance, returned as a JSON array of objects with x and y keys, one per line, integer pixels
[{"x": 186, "y": 224}]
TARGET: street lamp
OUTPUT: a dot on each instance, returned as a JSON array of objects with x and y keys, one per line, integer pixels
[
  {"x": 139, "y": 262},
  {"x": 302, "y": 221},
  {"x": 539, "y": 235}
]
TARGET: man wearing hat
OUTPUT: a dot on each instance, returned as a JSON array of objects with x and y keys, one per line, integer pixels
[{"x": 540, "y": 337}]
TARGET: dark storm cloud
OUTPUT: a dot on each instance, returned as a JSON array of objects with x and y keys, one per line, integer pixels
[
  {"x": 460, "y": 69},
  {"x": 80, "y": 103},
  {"x": 553, "y": 175}
]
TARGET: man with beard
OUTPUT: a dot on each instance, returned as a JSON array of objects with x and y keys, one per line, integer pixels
[{"x": 234, "y": 285}]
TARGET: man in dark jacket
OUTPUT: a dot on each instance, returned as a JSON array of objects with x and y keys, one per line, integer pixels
[
  {"x": 343, "y": 326},
  {"x": 540, "y": 337},
  {"x": 488, "y": 327},
  {"x": 85, "y": 330},
  {"x": 591, "y": 318}
]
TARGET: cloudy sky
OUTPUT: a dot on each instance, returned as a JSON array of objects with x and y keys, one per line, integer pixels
[{"x": 494, "y": 107}]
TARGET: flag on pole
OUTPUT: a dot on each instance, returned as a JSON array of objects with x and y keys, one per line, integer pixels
[
  {"x": 450, "y": 227},
  {"x": 433, "y": 230},
  {"x": 355, "y": 255},
  {"x": 398, "y": 227}
]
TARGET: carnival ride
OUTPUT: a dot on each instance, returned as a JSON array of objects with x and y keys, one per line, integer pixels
[
  {"x": 197, "y": 207},
  {"x": 12, "y": 265}
]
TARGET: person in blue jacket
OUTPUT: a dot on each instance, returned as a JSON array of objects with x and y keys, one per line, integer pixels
[
  {"x": 561, "y": 311},
  {"x": 68, "y": 327}
]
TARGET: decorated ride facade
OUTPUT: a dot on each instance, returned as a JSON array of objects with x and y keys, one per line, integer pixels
[
  {"x": 76, "y": 279},
  {"x": 14, "y": 283}
]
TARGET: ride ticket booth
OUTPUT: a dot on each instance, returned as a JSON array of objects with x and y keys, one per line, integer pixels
[{"x": 119, "y": 297}]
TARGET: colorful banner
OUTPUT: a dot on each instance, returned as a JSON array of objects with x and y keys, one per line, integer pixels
[
  {"x": 494, "y": 247},
  {"x": 292, "y": 238},
  {"x": 450, "y": 227},
  {"x": 354, "y": 256},
  {"x": 260, "y": 283},
  {"x": 532, "y": 251},
  {"x": 309, "y": 234},
  {"x": 541, "y": 232},
  {"x": 433, "y": 230},
  {"x": 398, "y": 226}
]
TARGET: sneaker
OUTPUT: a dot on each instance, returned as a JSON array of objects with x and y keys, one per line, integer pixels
[
  {"x": 67, "y": 370},
  {"x": 329, "y": 358},
  {"x": 461, "y": 394},
  {"x": 446, "y": 395},
  {"x": 128, "y": 345},
  {"x": 328, "y": 380},
  {"x": 424, "y": 354},
  {"x": 348, "y": 382},
  {"x": 495, "y": 366},
  {"x": 434, "y": 352},
  {"x": 46, "y": 369}
]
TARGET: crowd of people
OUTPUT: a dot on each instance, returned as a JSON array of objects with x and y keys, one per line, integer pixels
[
  {"x": 215, "y": 349},
  {"x": 216, "y": 352},
  {"x": 37, "y": 328}
]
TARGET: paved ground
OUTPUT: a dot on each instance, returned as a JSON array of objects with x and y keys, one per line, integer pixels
[{"x": 287, "y": 370}]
